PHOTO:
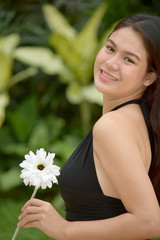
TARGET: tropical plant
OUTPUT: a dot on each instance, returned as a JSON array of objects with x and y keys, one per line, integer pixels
[
  {"x": 27, "y": 132},
  {"x": 7, "y": 45},
  {"x": 73, "y": 58}
]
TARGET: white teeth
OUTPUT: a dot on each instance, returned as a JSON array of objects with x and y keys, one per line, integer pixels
[{"x": 105, "y": 75}]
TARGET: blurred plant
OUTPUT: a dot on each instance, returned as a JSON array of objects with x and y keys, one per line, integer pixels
[
  {"x": 74, "y": 58},
  {"x": 27, "y": 131},
  {"x": 24, "y": 127},
  {"x": 7, "y": 45}
]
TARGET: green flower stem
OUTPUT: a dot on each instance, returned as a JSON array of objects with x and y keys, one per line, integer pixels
[
  {"x": 15, "y": 233},
  {"x": 34, "y": 192},
  {"x": 18, "y": 228}
]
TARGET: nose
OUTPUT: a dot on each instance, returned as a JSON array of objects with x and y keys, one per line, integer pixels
[{"x": 112, "y": 62}]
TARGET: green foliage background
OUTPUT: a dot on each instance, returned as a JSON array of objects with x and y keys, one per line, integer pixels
[{"x": 46, "y": 87}]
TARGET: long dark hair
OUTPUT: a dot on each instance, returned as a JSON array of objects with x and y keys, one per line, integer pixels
[{"x": 148, "y": 26}]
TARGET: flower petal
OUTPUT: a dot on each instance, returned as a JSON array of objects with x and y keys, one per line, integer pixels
[
  {"x": 33, "y": 156},
  {"x": 50, "y": 157},
  {"x": 41, "y": 154},
  {"x": 32, "y": 175}
]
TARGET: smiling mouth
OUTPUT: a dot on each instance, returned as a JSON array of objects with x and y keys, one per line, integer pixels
[{"x": 108, "y": 76}]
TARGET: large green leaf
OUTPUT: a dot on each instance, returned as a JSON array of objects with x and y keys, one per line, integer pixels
[
  {"x": 73, "y": 93},
  {"x": 86, "y": 41},
  {"x": 41, "y": 57},
  {"x": 39, "y": 136},
  {"x": 10, "y": 179},
  {"x": 66, "y": 51},
  {"x": 4, "y": 101},
  {"x": 22, "y": 118},
  {"x": 9, "y": 43},
  {"x": 79, "y": 53},
  {"x": 5, "y": 70},
  {"x": 57, "y": 22},
  {"x": 91, "y": 94},
  {"x": 56, "y": 129},
  {"x": 80, "y": 68},
  {"x": 76, "y": 93}
]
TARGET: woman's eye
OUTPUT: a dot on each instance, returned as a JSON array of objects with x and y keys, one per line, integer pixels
[
  {"x": 109, "y": 48},
  {"x": 128, "y": 60}
]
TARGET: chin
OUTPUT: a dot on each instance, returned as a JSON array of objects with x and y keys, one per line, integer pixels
[{"x": 99, "y": 88}]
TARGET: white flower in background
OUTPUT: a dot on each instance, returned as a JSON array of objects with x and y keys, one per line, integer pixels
[{"x": 39, "y": 170}]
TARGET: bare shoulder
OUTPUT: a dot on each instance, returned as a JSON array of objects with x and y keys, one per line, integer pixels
[
  {"x": 122, "y": 123},
  {"x": 124, "y": 130}
]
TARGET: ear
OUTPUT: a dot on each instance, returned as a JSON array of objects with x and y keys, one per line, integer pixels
[{"x": 151, "y": 77}]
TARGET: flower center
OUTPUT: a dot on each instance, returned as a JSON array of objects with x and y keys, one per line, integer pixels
[{"x": 40, "y": 167}]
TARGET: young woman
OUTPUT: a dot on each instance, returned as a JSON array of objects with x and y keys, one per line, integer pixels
[{"x": 111, "y": 183}]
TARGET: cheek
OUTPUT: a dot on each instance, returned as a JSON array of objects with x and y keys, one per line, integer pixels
[
  {"x": 133, "y": 74},
  {"x": 134, "y": 80},
  {"x": 96, "y": 65},
  {"x": 98, "y": 61},
  {"x": 100, "y": 56}
]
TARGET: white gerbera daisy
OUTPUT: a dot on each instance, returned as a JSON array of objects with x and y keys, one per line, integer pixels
[{"x": 39, "y": 170}]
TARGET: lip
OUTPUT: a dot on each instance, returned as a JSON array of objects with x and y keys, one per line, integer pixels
[{"x": 107, "y": 76}]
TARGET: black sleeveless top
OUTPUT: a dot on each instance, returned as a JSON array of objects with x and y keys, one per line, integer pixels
[{"x": 79, "y": 186}]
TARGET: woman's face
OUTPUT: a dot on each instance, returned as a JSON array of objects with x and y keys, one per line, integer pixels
[{"x": 120, "y": 68}]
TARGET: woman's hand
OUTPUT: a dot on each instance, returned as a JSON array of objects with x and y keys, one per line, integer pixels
[{"x": 42, "y": 215}]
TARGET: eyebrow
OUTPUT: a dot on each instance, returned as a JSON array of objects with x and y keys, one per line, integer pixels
[{"x": 127, "y": 52}]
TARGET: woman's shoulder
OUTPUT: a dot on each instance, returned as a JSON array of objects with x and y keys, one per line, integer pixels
[
  {"x": 124, "y": 120},
  {"x": 124, "y": 129}
]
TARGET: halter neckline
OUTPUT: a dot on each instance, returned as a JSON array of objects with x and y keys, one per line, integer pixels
[{"x": 134, "y": 101}]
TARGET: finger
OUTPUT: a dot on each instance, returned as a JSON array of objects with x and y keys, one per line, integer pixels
[
  {"x": 28, "y": 219},
  {"x": 33, "y": 202},
  {"x": 33, "y": 224},
  {"x": 29, "y": 210}
]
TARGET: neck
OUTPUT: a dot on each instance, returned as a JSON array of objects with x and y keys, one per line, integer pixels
[{"x": 109, "y": 104}]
